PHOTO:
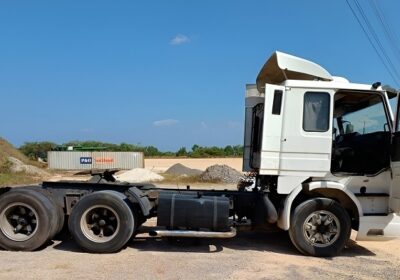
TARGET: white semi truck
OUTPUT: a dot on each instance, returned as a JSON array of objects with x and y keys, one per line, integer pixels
[{"x": 326, "y": 154}]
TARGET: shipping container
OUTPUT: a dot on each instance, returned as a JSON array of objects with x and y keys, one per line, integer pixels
[{"x": 74, "y": 160}]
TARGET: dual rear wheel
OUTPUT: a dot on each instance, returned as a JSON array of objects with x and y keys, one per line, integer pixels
[
  {"x": 102, "y": 222},
  {"x": 29, "y": 218}
]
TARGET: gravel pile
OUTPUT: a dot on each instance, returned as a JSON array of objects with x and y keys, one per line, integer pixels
[
  {"x": 139, "y": 175},
  {"x": 181, "y": 170},
  {"x": 221, "y": 173},
  {"x": 19, "y": 166}
]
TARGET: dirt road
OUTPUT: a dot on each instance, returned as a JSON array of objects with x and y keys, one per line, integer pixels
[{"x": 248, "y": 256}]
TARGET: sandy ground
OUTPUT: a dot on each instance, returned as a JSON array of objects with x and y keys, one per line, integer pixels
[
  {"x": 250, "y": 255},
  {"x": 161, "y": 165}
]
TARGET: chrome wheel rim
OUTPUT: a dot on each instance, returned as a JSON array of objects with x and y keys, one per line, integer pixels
[
  {"x": 19, "y": 221},
  {"x": 321, "y": 228},
  {"x": 100, "y": 223}
]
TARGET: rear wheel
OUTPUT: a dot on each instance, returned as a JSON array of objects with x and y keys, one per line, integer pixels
[
  {"x": 320, "y": 227},
  {"x": 27, "y": 220},
  {"x": 102, "y": 222},
  {"x": 57, "y": 209}
]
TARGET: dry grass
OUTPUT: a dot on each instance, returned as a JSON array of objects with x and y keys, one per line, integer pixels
[
  {"x": 8, "y": 150},
  {"x": 11, "y": 179},
  {"x": 6, "y": 177}
]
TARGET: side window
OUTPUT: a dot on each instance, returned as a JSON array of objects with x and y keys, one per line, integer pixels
[
  {"x": 316, "y": 111},
  {"x": 277, "y": 103},
  {"x": 256, "y": 135}
]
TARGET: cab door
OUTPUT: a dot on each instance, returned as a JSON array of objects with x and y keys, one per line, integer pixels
[{"x": 394, "y": 203}]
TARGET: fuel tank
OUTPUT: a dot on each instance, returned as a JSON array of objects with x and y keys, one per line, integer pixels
[{"x": 193, "y": 211}]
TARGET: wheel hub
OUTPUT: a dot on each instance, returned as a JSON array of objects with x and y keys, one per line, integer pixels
[
  {"x": 321, "y": 228},
  {"x": 18, "y": 221},
  {"x": 100, "y": 223}
]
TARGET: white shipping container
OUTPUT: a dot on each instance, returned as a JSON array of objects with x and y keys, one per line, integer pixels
[{"x": 78, "y": 160}]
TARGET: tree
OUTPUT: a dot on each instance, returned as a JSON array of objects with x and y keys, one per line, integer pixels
[
  {"x": 195, "y": 147},
  {"x": 181, "y": 152},
  {"x": 35, "y": 150},
  {"x": 229, "y": 151}
]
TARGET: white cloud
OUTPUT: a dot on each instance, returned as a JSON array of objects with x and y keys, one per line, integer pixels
[
  {"x": 179, "y": 40},
  {"x": 166, "y": 122}
]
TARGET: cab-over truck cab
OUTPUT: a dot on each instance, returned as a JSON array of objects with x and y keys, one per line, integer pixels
[{"x": 330, "y": 145}]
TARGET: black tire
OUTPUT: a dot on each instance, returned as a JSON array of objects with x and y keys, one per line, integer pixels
[
  {"x": 320, "y": 227},
  {"x": 89, "y": 211},
  {"x": 38, "y": 214},
  {"x": 60, "y": 216}
]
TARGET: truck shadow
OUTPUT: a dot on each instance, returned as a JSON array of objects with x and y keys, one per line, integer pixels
[{"x": 277, "y": 242}]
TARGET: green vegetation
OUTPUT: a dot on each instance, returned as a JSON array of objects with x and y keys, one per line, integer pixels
[{"x": 35, "y": 150}]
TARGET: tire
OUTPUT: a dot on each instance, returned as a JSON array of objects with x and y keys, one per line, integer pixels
[
  {"x": 60, "y": 216},
  {"x": 320, "y": 227},
  {"x": 111, "y": 219},
  {"x": 31, "y": 213}
]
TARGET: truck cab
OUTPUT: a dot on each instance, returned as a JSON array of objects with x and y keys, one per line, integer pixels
[{"x": 318, "y": 135}]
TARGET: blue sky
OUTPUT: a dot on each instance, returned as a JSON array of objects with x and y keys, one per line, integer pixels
[{"x": 163, "y": 73}]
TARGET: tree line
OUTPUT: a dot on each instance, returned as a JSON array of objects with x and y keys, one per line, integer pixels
[{"x": 35, "y": 150}]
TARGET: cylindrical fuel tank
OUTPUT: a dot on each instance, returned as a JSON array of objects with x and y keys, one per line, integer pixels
[{"x": 176, "y": 210}]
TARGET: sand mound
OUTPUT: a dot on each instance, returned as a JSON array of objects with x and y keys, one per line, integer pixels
[
  {"x": 181, "y": 170},
  {"x": 19, "y": 166},
  {"x": 221, "y": 173},
  {"x": 139, "y": 175}
]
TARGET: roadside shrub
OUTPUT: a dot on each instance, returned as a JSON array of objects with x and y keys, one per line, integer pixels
[{"x": 5, "y": 166}]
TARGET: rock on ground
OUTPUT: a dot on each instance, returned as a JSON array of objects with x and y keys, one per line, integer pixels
[
  {"x": 19, "y": 166},
  {"x": 221, "y": 173},
  {"x": 180, "y": 169},
  {"x": 139, "y": 175}
]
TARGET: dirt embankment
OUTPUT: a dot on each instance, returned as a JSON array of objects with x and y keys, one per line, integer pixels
[{"x": 16, "y": 168}]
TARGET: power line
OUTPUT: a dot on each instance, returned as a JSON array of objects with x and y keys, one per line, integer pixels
[
  {"x": 392, "y": 72},
  {"x": 390, "y": 35},
  {"x": 376, "y": 37}
]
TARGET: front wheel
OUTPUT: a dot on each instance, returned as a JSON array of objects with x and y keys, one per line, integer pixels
[{"x": 320, "y": 227}]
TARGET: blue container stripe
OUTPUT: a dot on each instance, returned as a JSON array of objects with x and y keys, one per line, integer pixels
[{"x": 86, "y": 160}]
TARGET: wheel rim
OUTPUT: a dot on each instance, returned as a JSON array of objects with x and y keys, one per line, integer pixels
[
  {"x": 100, "y": 223},
  {"x": 19, "y": 221},
  {"x": 321, "y": 228}
]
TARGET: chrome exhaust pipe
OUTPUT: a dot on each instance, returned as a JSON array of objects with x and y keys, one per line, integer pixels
[{"x": 194, "y": 233}]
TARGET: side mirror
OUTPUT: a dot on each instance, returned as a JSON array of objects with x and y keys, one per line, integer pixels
[{"x": 349, "y": 128}]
